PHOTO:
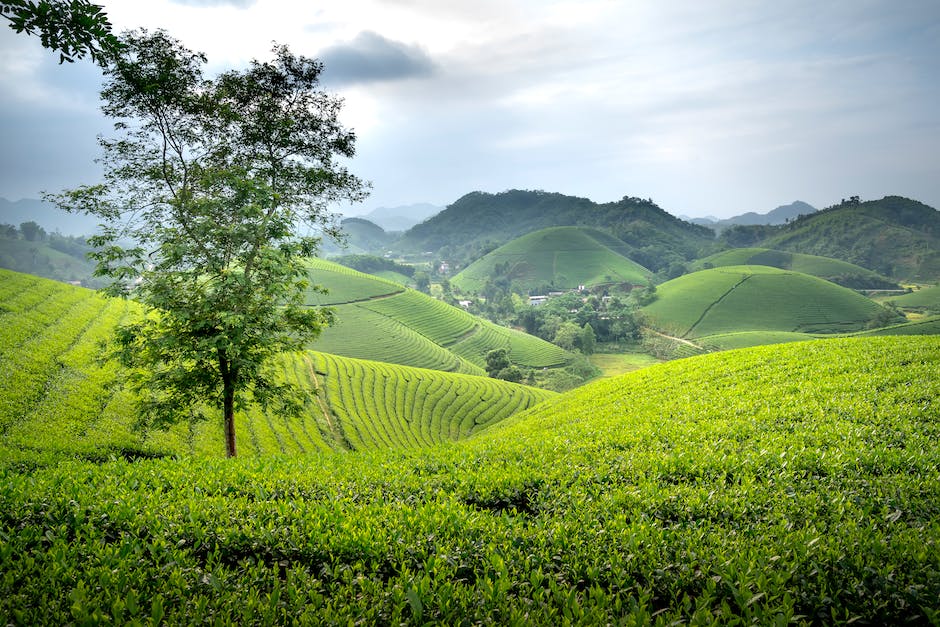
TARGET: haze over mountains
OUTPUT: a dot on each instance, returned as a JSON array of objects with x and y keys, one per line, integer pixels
[{"x": 780, "y": 215}]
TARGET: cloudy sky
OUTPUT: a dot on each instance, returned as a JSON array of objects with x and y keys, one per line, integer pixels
[{"x": 710, "y": 107}]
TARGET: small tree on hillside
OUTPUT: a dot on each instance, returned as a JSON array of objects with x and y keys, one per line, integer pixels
[{"x": 212, "y": 178}]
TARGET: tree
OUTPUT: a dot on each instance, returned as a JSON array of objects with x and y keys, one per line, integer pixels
[
  {"x": 212, "y": 179},
  {"x": 32, "y": 232},
  {"x": 588, "y": 339},
  {"x": 568, "y": 335},
  {"x": 497, "y": 360},
  {"x": 74, "y": 28}
]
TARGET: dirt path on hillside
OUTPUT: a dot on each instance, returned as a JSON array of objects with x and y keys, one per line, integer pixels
[
  {"x": 720, "y": 298},
  {"x": 675, "y": 339}
]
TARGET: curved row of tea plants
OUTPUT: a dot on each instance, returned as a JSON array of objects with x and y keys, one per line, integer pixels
[
  {"x": 786, "y": 484},
  {"x": 345, "y": 285},
  {"x": 361, "y": 333},
  {"x": 381, "y": 405},
  {"x": 56, "y": 398},
  {"x": 378, "y": 321}
]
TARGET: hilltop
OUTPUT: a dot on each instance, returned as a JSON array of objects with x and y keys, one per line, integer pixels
[
  {"x": 555, "y": 258},
  {"x": 653, "y": 237},
  {"x": 894, "y": 236},
  {"x": 756, "y": 298},
  {"x": 840, "y": 272}
]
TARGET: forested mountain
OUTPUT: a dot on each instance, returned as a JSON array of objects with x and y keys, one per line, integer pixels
[
  {"x": 655, "y": 238},
  {"x": 895, "y": 236}
]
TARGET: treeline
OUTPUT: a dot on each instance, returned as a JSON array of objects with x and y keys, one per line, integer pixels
[
  {"x": 31, "y": 249},
  {"x": 370, "y": 264}
]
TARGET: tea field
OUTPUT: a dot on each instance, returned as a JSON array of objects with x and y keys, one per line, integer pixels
[
  {"x": 815, "y": 265},
  {"x": 381, "y": 321},
  {"x": 797, "y": 483},
  {"x": 563, "y": 257},
  {"x": 57, "y": 399},
  {"x": 756, "y": 298}
]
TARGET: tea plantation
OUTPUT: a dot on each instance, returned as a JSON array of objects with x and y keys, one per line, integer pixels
[
  {"x": 784, "y": 484},
  {"x": 756, "y": 298},
  {"x": 57, "y": 399},
  {"x": 382, "y": 321}
]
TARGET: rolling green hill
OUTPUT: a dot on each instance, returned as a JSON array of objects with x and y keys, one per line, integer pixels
[
  {"x": 382, "y": 321},
  {"x": 925, "y": 298},
  {"x": 560, "y": 257},
  {"x": 55, "y": 397},
  {"x": 55, "y": 257},
  {"x": 651, "y": 236},
  {"x": 756, "y": 298},
  {"x": 776, "y": 485},
  {"x": 895, "y": 236},
  {"x": 835, "y": 270}
]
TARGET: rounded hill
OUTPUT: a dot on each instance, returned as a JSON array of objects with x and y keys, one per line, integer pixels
[
  {"x": 835, "y": 270},
  {"x": 380, "y": 320},
  {"x": 557, "y": 257},
  {"x": 756, "y": 298}
]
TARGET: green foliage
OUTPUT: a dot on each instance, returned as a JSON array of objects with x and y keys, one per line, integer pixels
[
  {"x": 894, "y": 236},
  {"x": 73, "y": 28},
  {"x": 53, "y": 256},
  {"x": 58, "y": 399},
  {"x": 496, "y": 361},
  {"x": 210, "y": 180},
  {"x": 834, "y": 270},
  {"x": 370, "y": 264},
  {"x": 642, "y": 230},
  {"x": 756, "y": 298},
  {"x": 767, "y": 486},
  {"x": 557, "y": 258}
]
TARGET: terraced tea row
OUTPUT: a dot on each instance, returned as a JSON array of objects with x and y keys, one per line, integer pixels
[
  {"x": 413, "y": 329},
  {"x": 387, "y": 406}
]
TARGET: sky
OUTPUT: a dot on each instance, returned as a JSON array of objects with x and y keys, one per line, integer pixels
[{"x": 714, "y": 107}]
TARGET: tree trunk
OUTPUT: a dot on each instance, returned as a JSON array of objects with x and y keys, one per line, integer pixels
[
  {"x": 228, "y": 411},
  {"x": 228, "y": 403}
]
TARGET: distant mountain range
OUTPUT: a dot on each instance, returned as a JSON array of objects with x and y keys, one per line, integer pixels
[
  {"x": 401, "y": 218},
  {"x": 780, "y": 215}
]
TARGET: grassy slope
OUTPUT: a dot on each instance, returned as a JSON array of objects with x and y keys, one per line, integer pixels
[
  {"x": 54, "y": 397},
  {"x": 894, "y": 235},
  {"x": 815, "y": 265},
  {"x": 382, "y": 321},
  {"x": 564, "y": 257},
  {"x": 41, "y": 259},
  {"x": 771, "y": 485},
  {"x": 756, "y": 298},
  {"x": 922, "y": 298}
]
